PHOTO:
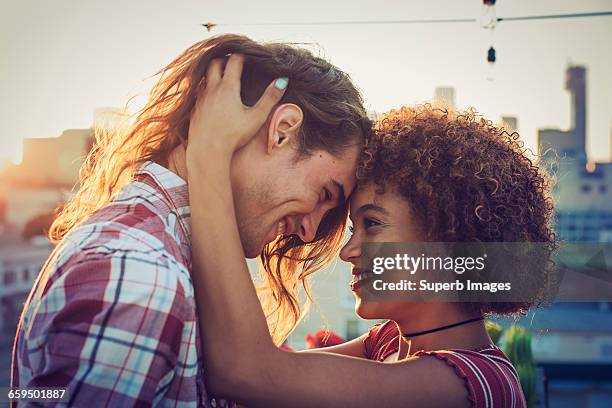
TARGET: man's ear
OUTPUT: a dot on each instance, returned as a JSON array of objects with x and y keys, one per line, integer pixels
[{"x": 284, "y": 125}]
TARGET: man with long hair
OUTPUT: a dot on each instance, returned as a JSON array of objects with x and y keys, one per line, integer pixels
[{"x": 112, "y": 316}]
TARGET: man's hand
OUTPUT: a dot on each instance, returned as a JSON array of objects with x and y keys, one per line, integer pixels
[{"x": 220, "y": 121}]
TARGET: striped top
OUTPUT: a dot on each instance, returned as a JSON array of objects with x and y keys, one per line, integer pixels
[{"x": 490, "y": 379}]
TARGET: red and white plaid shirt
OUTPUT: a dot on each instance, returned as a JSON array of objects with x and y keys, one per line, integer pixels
[{"x": 112, "y": 316}]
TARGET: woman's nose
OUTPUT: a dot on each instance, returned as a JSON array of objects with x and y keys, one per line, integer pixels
[{"x": 351, "y": 250}]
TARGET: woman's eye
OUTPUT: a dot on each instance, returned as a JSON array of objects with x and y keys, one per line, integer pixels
[
  {"x": 368, "y": 222},
  {"x": 351, "y": 229}
]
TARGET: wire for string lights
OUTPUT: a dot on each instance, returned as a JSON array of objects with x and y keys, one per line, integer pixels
[{"x": 210, "y": 26}]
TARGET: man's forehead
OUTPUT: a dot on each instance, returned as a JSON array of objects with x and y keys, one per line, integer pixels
[
  {"x": 343, "y": 170},
  {"x": 338, "y": 174},
  {"x": 343, "y": 183},
  {"x": 340, "y": 190}
]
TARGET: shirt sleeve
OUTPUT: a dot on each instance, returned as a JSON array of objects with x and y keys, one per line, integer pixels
[
  {"x": 109, "y": 329},
  {"x": 489, "y": 381},
  {"x": 381, "y": 341}
]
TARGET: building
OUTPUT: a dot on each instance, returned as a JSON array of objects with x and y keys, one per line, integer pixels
[
  {"x": 2, "y": 210},
  {"x": 573, "y": 340},
  {"x": 48, "y": 172},
  {"x": 37, "y": 186},
  {"x": 583, "y": 190},
  {"x": 20, "y": 262},
  {"x": 445, "y": 94},
  {"x": 51, "y": 161},
  {"x": 510, "y": 123},
  {"x": 24, "y": 203}
]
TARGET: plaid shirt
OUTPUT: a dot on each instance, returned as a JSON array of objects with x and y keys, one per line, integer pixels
[{"x": 112, "y": 316}]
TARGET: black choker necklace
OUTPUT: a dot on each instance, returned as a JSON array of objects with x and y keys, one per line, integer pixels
[{"x": 449, "y": 326}]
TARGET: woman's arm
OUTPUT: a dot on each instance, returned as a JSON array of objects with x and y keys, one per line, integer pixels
[
  {"x": 244, "y": 364},
  {"x": 353, "y": 348}
]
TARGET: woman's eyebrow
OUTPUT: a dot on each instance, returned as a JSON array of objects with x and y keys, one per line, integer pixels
[{"x": 372, "y": 207}]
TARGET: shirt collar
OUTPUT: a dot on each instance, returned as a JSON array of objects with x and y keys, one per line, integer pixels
[{"x": 173, "y": 188}]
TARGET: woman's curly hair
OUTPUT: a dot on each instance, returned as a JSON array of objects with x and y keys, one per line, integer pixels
[{"x": 466, "y": 180}]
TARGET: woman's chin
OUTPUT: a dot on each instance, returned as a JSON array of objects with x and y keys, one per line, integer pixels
[
  {"x": 379, "y": 310},
  {"x": 367, "y": 310}
]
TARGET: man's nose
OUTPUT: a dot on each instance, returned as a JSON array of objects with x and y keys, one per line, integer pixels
[{"x": 307, "y": 229}]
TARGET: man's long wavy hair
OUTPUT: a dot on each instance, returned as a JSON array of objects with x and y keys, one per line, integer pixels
[{"x": 334, "y": 119}]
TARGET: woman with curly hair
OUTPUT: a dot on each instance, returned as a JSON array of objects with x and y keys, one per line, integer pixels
[{"x": 427, "y": 175}]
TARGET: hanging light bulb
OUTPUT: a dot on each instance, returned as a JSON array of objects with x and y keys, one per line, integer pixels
[
  {"x": 488, "y": 18},
  {"x": 491, "y": 58},
  {"x": 491, "y": 55}
]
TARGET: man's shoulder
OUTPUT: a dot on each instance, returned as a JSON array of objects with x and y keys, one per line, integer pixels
[
  {"x": 130, "y": 215},
  {"x": 95, "y": 277},
  {"x": 118, "y": 244},
  {"x": 135, "y": 222},
  {"x": 108, "y": 232},
  {"x": 131, "y": 301},
  {"x": 93, "y": 259},
  {"x": 115, "y": 251},
  {"x": 128, "y": 249}
]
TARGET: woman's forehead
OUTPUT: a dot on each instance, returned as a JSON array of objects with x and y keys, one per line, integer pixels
[
  {"x": 364, "y": 194},
  {"x": 371, "y": 196}
]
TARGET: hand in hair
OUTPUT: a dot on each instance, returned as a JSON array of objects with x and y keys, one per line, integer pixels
[{"x": 220, "y": 121}]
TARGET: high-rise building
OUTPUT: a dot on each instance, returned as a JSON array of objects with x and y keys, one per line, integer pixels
[
  {"x": 573, "y": 340},
  {"x": 445, "y": 94},
  {"x": 556, "y": 143},
  {"x": 510, "y": 123},
  {"x": 583, "y": 189}
]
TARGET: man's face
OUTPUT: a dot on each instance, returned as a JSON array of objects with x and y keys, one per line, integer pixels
[{"x": 284, "y": 196}]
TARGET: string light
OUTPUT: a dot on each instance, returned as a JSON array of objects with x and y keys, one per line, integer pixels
[
  {"x": 209, "y": 26},
  {"x": 491, "y": 55},
  {"x": 488, "y": 21}
]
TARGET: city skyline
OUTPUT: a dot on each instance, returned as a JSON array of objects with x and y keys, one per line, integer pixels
[{"x": 66, "y": 58}]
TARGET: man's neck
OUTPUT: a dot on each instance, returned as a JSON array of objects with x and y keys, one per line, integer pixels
[{"x": 177, "y": 162}]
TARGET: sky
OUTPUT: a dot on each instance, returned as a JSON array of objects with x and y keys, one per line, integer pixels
[{"x": 62, "y": 59}]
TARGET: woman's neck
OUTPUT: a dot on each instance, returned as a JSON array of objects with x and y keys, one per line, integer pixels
[{"x": 427, "y": 316}]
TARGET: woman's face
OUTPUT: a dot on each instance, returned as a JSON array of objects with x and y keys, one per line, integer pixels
[{"x": 377, "y": 218}]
